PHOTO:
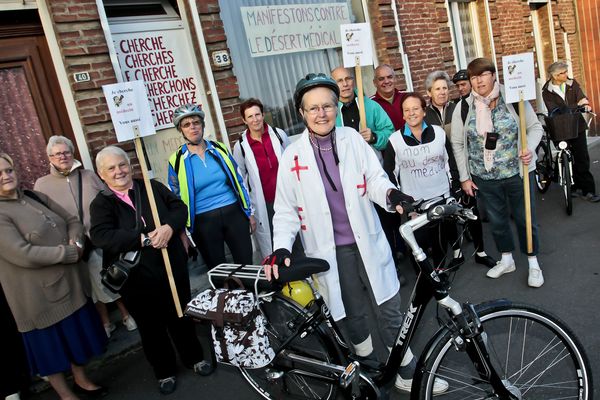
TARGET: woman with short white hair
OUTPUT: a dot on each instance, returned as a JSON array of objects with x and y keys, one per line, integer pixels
[
  {"x": 122, "y": 221},
  {"x": 560, "y": 93}
]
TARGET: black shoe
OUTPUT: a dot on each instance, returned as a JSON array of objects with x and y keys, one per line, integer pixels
[
  {"x": 485, "y": 260},
  {"x": 167, "y": 385},
  {"x": 95, "y": 393},
  {"x": 456, "y": 262},
  {"x": 203, "y": 368}
]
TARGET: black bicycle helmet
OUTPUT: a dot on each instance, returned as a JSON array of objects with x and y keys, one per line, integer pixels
[
  {"x": 312, "y": 81},
  {"x": 460, "y": 76},
  {"x": 186, "y": 110}
]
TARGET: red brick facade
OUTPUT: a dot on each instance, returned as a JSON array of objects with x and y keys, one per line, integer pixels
[
  {"x": 83, "y": 47},
  {"x": 424, "y": 29}
]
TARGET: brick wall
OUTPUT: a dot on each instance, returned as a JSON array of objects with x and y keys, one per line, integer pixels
[
  {"x": 84, "y": 49},
  {"x": 565, "y": 20},
  {"x": 426, "y": 37},
  {"x": 385, "y": 38}
]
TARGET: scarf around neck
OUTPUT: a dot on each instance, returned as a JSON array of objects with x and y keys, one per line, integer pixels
[
  {"x": 483, "y": 112},
  {"x": 484, "y": 123}
]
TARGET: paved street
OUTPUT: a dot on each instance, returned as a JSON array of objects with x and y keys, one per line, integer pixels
[{"x": 570, "y": 258}]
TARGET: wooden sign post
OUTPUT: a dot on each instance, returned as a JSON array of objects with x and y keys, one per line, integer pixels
[
  {"x": 526, "y": 187},
  {"x": 356, "y": 52}
]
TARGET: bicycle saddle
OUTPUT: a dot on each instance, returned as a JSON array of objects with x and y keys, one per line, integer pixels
[{"x": 301, "y": 269}]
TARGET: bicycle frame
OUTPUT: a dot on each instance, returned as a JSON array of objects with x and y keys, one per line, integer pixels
[{"x": 430, "y": 284}]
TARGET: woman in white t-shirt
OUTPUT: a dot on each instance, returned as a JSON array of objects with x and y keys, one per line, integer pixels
[{"x": 417, "y": 161}]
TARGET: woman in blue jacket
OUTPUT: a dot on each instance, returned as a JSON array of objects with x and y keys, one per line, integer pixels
[{"x": 205, "y": 176}]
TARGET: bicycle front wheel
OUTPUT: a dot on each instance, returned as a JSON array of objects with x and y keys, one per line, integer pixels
[
  {"x": 535, "y": 354},
  {"x": 282, "y": 379},
  {"x": 566, "y": 181}
]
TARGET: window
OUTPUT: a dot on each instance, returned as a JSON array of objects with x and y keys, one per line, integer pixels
[
  {"x": 469, "y": 26},
  {"x": 272, "y": 78}
]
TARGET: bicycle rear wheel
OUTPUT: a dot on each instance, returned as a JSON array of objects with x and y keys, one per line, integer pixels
[
  {"x": 282, "y": 379},
  {"x": 543, "y": 167},
  {"x": 566, "y": 181},
  {"x": 536, "y": 355}
]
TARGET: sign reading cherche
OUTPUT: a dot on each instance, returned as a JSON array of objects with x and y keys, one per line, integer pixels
[
  {"x": 128, "y": 106},
  {"x": 292, "y": 28},
  {"x": 159, "y": 59}
]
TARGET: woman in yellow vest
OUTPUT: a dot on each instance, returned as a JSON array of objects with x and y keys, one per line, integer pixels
[{"x": 205, "y": 176}]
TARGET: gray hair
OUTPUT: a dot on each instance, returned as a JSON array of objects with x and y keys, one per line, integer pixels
[
  {"x": 382, "y": 66},
  {"x": 110, "y": 150},
  {"x": 435, "y": 76},
  {"x": 334, "y": 98},
  {"x": 58, "y": 139},
  {"x": 7, "y": 158},
  {"x": 556, "y": 66}
]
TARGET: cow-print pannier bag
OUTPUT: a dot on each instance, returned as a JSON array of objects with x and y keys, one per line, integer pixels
[{"x": 238, "y": 327}]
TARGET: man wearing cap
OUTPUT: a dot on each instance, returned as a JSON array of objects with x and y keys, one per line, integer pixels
[
  {"x": 387, "y": 96},
  {"x": 327, "y": 183}
]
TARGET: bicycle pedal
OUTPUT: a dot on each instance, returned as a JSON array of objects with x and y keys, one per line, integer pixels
[{"x": 349, "y": 374}]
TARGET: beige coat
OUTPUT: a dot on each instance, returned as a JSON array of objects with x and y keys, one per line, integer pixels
[{"x": 39, "y": 271}]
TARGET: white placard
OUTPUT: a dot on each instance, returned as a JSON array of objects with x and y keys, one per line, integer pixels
[
  {"x": 519, "y": 77},
  {"x": 129, "y": 107},
  {"x": 159, "y": 59},
  {"x": 291, "y": 28},
  {"x": 356, "y": 42}
]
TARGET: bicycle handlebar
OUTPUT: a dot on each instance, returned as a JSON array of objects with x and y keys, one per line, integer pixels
[{"x": 430, "y": 211}]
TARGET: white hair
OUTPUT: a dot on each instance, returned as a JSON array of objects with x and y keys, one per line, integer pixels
[
  {"x": 57, "y": 139},
  {"x": 110, "y": 150},
  {"x": 436, "y": 76}
]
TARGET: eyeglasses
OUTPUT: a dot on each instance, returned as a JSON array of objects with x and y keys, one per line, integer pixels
[
  {"x": 314, "y": 110},
  {"x": 60, "y": 154},
  {"x": 482, "y": 75},
  {"x": 190, "y": 123}
]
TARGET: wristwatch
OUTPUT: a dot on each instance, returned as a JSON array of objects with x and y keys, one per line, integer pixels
[
  {"x": 146, "y": 241},
  {"x": 79, "y": 244},
  {"x": 373, "y": 138}
]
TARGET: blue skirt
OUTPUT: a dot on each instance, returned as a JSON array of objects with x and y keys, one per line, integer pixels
[{"x": 73, "y": 340}]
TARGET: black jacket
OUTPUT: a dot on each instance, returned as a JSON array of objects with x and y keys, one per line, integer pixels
[{"x": 113, "y": 230}]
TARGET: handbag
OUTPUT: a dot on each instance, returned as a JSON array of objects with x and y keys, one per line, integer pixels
[
  {"x": 238, "y": 328},
  {"x": 115, "y": 275}
]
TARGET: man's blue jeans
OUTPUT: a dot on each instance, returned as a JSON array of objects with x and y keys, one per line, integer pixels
[{"x": 498, "y": 195}]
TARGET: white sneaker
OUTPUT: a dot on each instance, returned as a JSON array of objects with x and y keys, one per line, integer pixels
[
  {"x": 129, "y": 323},
  {"x": 404, "y": 385},
  {"x": 536, "y": 278},
  {"x": 14, "y": 396},
  {"x": 109, "y": 329},
  {"x": 501, "y": 269}
]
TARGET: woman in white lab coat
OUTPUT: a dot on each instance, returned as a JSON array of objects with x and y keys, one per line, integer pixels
[
  {"x": 326, "y": 185},
  {"x": 257, "y": 154}
]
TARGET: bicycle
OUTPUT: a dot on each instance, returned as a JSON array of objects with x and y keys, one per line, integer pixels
[
  {"x": 495, "y": 350},
  {"x": 559, "y": 168}
]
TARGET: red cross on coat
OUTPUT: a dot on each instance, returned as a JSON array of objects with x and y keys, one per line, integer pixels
[
  {"x": 363, "y": 186},
  {"x": 297, "y": 168}
]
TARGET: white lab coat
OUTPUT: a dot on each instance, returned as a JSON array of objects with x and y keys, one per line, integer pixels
[
  {"x": 301, "y": 206},
  {"x": 249, "y": 171}
]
